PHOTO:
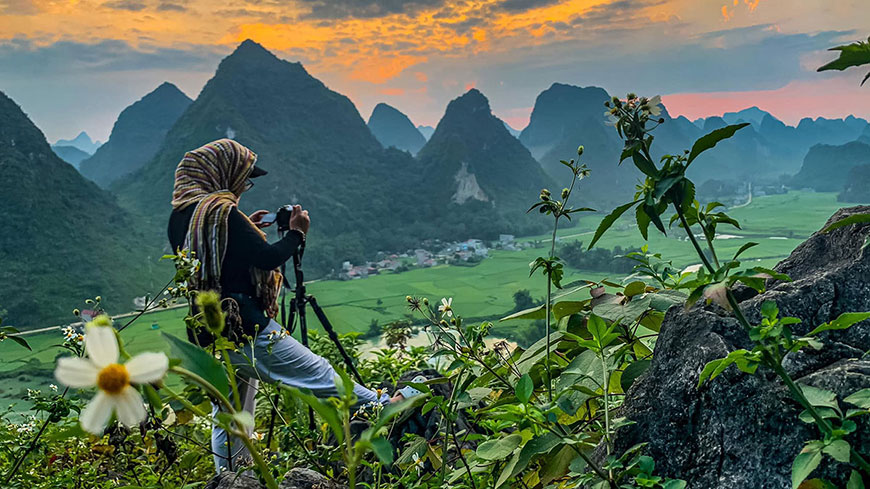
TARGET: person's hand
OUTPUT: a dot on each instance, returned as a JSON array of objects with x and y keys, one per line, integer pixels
[
  {"x": 299, "y": 219},
  {"x": 257, "y": 219}
]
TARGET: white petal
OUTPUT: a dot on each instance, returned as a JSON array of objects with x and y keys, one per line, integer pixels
[
  {"x": 145, "y": 368},
  {"x": 129, "y": 407},
  {"x": 101, "y": 345},
  {"x": 97, "y": 413},
  {"x": 76, "y": 372}
]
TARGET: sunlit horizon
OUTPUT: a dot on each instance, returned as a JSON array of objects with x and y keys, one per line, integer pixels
[{"x": 74, "y": 65}]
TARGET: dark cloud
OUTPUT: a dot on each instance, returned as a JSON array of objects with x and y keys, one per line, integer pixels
[
  {"x": 171, "y": 7},
  {"x": 341, "y": 9},
  {"x": 522, "y": 5},
  {"x": 17, "y": 7},
  {"x": 24, "y": 58},
  {"x": 131, "y": 5},
  {"x": 616, "y": 15}
]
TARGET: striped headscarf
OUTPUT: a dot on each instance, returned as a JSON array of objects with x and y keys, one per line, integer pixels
[{"x": 212, "y": 178}]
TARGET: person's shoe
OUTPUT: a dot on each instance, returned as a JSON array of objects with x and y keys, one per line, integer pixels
[{"x": 409, "y": 391}]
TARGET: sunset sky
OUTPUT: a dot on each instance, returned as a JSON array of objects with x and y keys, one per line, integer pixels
[{"x": 75, "y": 64}]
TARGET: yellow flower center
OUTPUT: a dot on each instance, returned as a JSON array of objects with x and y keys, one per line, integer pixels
[{"x": 113, "y": 378}]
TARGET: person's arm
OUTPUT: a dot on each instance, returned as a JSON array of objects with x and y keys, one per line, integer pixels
[{"x": 249, "y": 246}]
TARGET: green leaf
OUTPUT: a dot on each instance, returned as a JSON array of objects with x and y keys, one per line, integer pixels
[
  {"x": 566, "y": 308},
  {"x": 324, "y": 409},
  {"x": 537, "y": 312},
  {"x": 855, "y": 54},
  {"x": 804, "y": 464},
  {"x": 508, "y": 470},
  {"x": 383, "y": 449},
  {"x": 860, "y": 399},
  {"x": 742, "y": 249},
  {"x": 674, "y": 484},
  {"x": 536, "y": 446},
  {"x": 844, "y": 321},
  {"x": 499, "y": 448},
  {"x": 609, "y": 220},
  {"x": 819, "y": 397},
  {"x": 710, "y": 140},
  {"x": 200, "y": 362},
  {"x": 524, "y": 388},
  {"x": 853, "y": 219},
  {"x": 244, "y": 418},
  {"x": 634, "y": 288},
  {"x": 644, "y": 165},
  {"x": 839, "y": 450},
  {"x": 855, "y": 481},
  {"x": 20, "y": 341},
  {"x": 632, "y": 372}
]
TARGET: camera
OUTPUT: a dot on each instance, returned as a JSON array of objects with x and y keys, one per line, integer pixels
[{"x": 281, "y": 216}]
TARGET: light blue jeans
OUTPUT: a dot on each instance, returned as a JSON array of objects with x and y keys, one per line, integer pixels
[{"x": 282, "y": 360}]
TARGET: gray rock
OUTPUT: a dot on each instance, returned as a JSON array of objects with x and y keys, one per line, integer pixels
[
  {"x": 741, "y": 430},
  {"x": 229, "y": 480},
  {"x": 300, "y": 478}
]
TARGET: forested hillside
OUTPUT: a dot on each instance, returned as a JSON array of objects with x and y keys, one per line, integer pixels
[
  {"x": 63, "y": 239},
  {"x": 826, "y": 167},
  {"x": 137, "y": 135},
  {"x": 392, "y": 128}
]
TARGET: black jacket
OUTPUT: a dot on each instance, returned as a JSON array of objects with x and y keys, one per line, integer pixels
[{"x": 245, "y": 249}]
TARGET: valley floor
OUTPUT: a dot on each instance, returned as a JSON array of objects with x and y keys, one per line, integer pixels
[{"x": 777, "y": 222}]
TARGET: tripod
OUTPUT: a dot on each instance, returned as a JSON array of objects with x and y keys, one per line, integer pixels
[{"x": 298, "y": 304}]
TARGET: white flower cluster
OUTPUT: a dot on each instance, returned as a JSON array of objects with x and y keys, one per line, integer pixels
[
  {"x": 25, "y": 428},
  {"x": 277, "y": 335},
  {"x": 72, "y": 336}
]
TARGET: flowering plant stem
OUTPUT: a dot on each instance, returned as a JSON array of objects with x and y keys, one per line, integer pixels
[
  {"x": 240, "y": 430},
  {"x": 30, "y": 447}
]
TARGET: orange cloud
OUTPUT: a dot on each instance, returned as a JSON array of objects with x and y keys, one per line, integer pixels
[{"x": 393, "y": 92}]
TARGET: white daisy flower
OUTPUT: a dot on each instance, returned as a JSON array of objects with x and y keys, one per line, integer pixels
[
  {"x": 446, "y": 307},
  {"x": 101, "y": 369},
  {"x": 418, "y": 463},
  {"x": 654, "y": 106},
  {"x": 258, "y": 436}
]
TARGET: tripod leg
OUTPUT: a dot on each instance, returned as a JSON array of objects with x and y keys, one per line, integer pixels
[
  {"x": 324, "y": 321},
  {"x": 303, "y": 334}
]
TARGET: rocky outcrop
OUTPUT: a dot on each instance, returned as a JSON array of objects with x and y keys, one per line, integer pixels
[
  {"x": 742, "y": 430},
  {"x": 297, "y": 478}
]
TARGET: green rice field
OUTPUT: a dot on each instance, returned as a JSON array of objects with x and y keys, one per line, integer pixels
[{"x": 777, "y": 222}]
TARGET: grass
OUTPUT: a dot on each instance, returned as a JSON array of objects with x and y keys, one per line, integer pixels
[{"x": 484, "y": 290}]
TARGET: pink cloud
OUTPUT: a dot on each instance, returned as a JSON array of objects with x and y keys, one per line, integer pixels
[{"x": 831, "y": 97}]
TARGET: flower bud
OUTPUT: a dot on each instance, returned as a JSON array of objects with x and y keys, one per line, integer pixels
[
  {"x": 425, "y": 301},
  {"x": 408, "y": 298},
  {"x": 76, "y": 312},
  {"x": 102, "y": 320},
  {"x": 209, "y": 302},
  {"x": 99, "y": 298},
  {"x": 580, "y": 150}
]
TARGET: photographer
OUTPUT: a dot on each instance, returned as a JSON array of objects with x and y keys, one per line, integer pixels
[{"x": 238, "y": 262}]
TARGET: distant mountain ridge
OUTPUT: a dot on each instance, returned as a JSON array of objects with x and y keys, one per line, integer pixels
[
  {"x": 63, "y": 238},
  {"x": 71, "y": 155},
  {"x": 82, "y": 142},
  {"x": 477, "y": 169},
  {"x": 394, "y": 129},
  {"x": 426, "y": 131},
  {"x": 565, "y": 116},
  {"x": 136, "y": 135},
  {"x": 826, "y": 168}
]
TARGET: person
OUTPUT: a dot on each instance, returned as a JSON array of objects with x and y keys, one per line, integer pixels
[{"x": 237, "y": 261}]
